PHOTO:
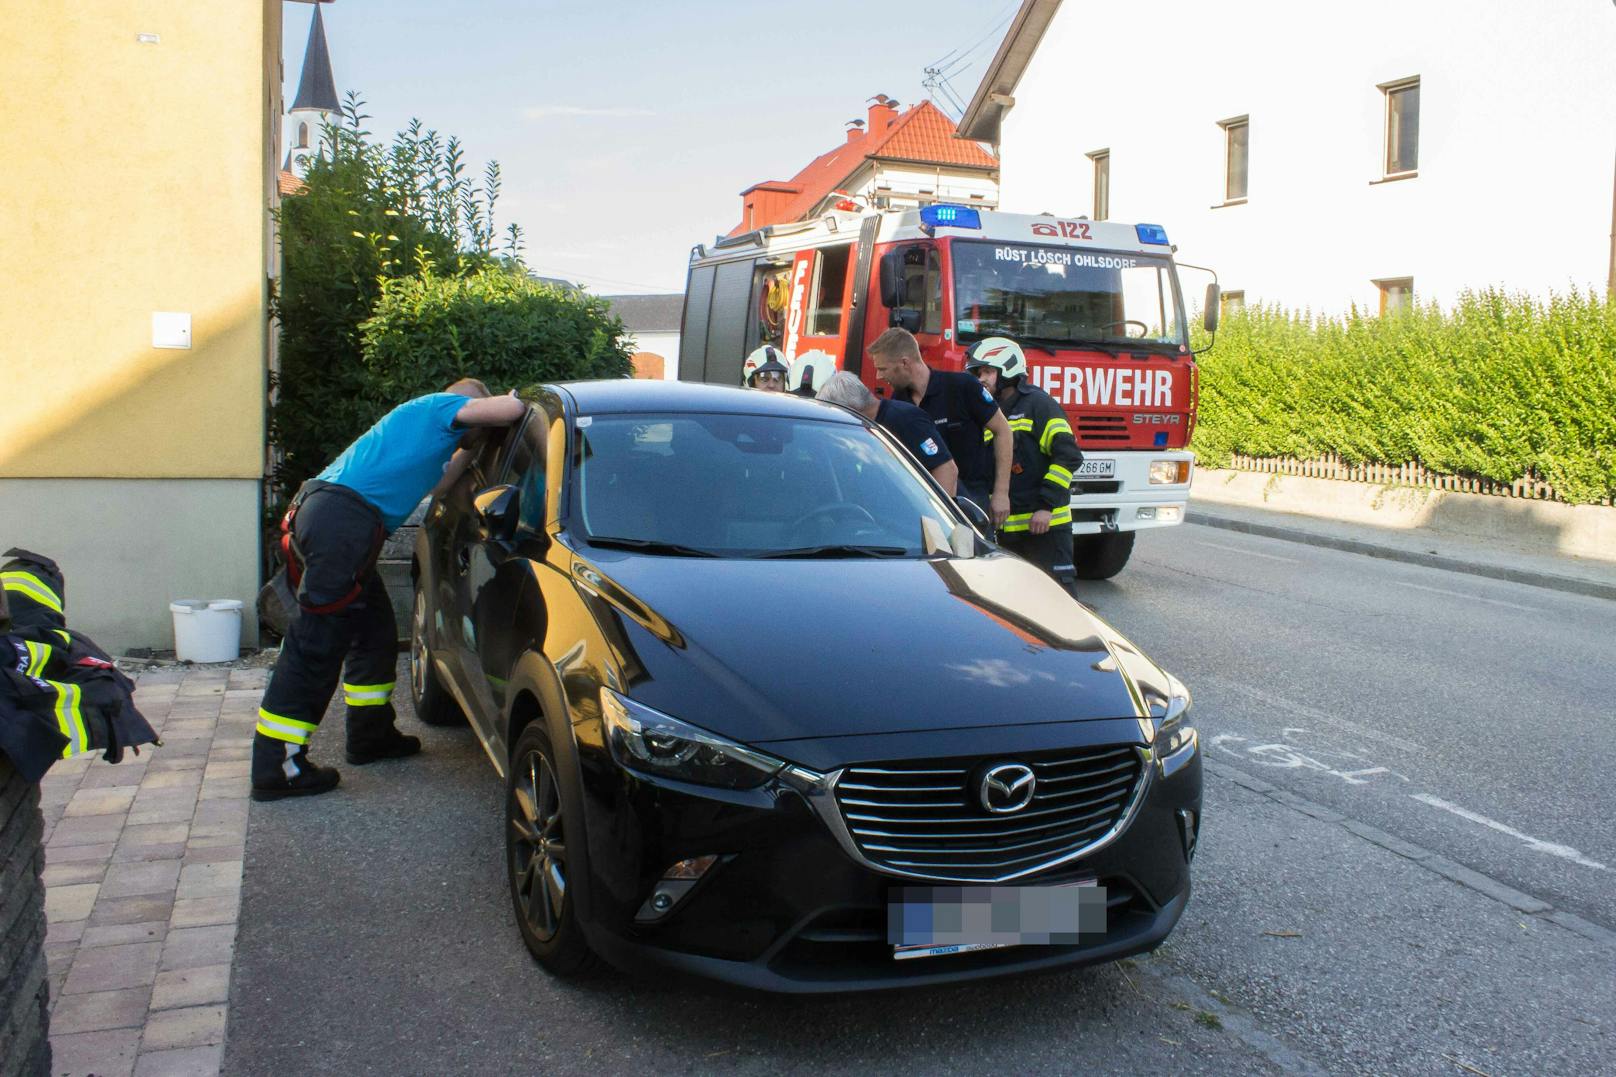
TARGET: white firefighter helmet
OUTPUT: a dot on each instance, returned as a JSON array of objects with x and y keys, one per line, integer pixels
[
  {"x": 809, "y": 372},
  {"x": 1000, "y": 353},
  {"x": 766, "y": 358}
]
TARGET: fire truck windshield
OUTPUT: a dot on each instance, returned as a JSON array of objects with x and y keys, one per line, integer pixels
[{"x": 1058, "y": 295}]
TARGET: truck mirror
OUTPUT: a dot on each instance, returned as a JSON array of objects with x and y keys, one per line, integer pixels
[
  {"x": 892, "y": 280},
  {"x": 1214, "y": 301},
  {"x": 908, "y": 319}
]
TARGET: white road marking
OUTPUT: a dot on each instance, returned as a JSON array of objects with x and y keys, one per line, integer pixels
[
  {"x": 1280, "y": 703},
  {"x": 1475, "y": 598},
  {"x": 1246, "y": 553},
  {"x": 1287, "y": 757},
  {"x": 1564, "y": 852}
]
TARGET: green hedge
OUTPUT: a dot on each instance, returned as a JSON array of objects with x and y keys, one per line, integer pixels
[
  {"x": 496, "y": 324},
  {"x": 1500, "y": 386}
]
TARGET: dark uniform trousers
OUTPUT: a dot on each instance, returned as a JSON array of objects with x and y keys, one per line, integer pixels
[
  {"x": 344, "y": 616},
  {"x": 1051, "y": 551}
]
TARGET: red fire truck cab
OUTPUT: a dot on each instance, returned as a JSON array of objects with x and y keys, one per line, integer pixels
[{"x": 1096, "y": 305}]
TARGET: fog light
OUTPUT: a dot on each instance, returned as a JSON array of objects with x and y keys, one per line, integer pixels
[
  {"x": 1189, "y": 829},
  {"x": 1169, "y": 514},
  {"x": 1147, "y": 513},
  {"x": 674, "y": 887},
  {"x": 1169, "y": 472}
]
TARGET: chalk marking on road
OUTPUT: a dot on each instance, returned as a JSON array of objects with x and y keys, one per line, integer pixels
[
  {"x": 1286, "y": 757},
  {"x": 1564, "y": 852},
  {"x": 1246, "y": 553},
  {"x": 1280, "y": 702},
  {"x": 1477, "y": 598}
]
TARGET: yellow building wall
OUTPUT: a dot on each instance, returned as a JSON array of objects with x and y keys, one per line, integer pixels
[{"x": 137, "y": 180}]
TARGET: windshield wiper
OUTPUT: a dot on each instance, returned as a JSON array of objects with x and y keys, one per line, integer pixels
[
  {"x": 838, "y": 550},
  {"x": 649, "y": 546}
]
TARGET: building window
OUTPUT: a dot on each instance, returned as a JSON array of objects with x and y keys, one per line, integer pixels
[
  {"x": 302, "y": 136},
  {"x": 1402, "y": 126},
  {"x": 1233, "y": 302},
  {"x": 1102, "y": 184},
  {"x": 1396, "y": 293},
  {"x": 1236, "y": 157},
  {"x": 830, "y": 281}
]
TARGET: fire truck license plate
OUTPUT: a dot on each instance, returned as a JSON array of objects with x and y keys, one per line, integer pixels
[{"x": 1096, "y": 469}]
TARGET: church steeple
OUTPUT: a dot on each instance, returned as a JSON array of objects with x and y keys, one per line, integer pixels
[{"x": 316, "y": 102}]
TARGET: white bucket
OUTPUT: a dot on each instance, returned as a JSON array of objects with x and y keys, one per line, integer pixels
[{"x": 207, "y": 631}]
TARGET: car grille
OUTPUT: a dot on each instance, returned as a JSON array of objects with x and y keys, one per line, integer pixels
[
  {"x": 1102, "y": 430},
  {"x": 924, "y": 818}
]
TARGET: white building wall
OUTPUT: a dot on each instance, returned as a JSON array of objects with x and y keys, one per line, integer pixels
[
  {"x": 1516, "y": 156},
  {"x": 903, "y": 184},
  {"x": 663, "y": 344}
]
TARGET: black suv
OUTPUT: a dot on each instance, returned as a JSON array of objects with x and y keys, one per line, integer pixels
[{"x": 770, "y": 710}]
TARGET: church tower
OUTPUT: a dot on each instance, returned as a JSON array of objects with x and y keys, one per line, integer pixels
[{"x": 316, "y": 101}]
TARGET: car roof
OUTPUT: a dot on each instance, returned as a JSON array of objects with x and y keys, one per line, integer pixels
[{"x": 631, "y": 395}]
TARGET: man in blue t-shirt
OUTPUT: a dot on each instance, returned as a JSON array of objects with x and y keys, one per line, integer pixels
[
  {"x": 336, "y": 526},
  {"x": 907, "y": 423}
]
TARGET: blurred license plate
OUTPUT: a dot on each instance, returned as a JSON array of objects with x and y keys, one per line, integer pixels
[
  {"x": 931, "y": 921},
  {"x": 1096, "y": 469}
]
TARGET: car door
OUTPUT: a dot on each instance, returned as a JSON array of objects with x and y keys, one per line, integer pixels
[
  {"x": 462, "y": 531},
  {"x": 499, "y": 578}
]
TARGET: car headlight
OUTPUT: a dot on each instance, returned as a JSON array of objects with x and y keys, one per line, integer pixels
[
  {"x": 1173, "y": 729},
  {"x": 648, "y": 741},
  {"x": 1169, "y": 472}
]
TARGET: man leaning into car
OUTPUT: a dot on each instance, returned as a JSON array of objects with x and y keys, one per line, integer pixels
[{"x": 335, "y": 530}]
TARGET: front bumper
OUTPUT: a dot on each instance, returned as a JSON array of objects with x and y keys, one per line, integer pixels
[
  {"x": 787, "y": 909},
  {"x": 1114, "y": 504}
]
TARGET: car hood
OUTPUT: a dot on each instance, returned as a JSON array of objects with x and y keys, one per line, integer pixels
[{"x": 778, "y": 650}]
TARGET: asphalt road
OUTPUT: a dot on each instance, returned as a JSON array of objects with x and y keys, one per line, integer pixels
[{"x": 1471, "y": 717}]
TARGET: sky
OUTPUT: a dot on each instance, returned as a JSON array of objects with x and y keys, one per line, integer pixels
[{"x": 625, "y": 129}]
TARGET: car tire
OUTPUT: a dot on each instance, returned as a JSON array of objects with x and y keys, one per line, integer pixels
[
  {"x": 433, "y": 703},
  {"x": 1099, "y": 557},
  {"x": 538, "y": 835}
]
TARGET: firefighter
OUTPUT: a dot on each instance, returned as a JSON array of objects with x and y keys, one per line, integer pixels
[
  {"x": 1046, "y": 456},
  {"x": 809, "y": 372},
  {"x": 335, "y": 531},
  {"x": 765, "y": 369},
  {"x": 962, "y": 409}
]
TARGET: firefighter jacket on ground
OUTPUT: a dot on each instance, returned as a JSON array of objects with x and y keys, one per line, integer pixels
[
  {"x": 60, "y": 694},
  {"x": 1046, "y": 456}
]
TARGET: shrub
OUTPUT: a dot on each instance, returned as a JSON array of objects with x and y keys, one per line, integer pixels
[
  {"x": 368, "y": 214},
  {"x": 1500, "y": 387},
  {"x": 498, "y": 324}
]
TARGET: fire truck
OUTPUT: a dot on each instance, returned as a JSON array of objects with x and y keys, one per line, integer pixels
[{"x": 1096, "y": 305}]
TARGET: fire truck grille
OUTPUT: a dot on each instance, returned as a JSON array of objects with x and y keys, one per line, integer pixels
[
  {"x": 1102, "y": 430},
  {"x": 926, "y": 818}
]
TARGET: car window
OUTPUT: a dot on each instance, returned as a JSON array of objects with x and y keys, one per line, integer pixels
[
  {"x": 525, "y": 470},
  {"x": 749, "y": 485}
]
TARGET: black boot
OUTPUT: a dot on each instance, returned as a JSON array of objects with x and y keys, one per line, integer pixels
[
  {"x": 281, "y": 769},
  {"x": 373, "y": 737}
]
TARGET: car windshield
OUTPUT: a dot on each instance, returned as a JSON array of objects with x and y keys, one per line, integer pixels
[
  {"x": 1056, "y": 295},
  {"x": 750, "y": 486}
]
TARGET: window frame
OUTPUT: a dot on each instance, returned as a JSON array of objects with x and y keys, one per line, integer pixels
[
  {"x": 1230, "y": 126},
  {"x": 1102, "y": 192},
  {"x": 1388, "y": 91},
  {"x": 817, "y": 296}
]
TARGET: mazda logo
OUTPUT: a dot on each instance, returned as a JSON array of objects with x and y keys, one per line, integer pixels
[{"x": 1007, "y": 787}]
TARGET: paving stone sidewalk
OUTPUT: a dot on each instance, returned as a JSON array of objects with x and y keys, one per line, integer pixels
[{"x": 143, "y": 882}]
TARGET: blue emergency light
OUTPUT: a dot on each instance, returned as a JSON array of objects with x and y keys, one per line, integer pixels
[
  {"x": 941, "y": 215},
  {"x": 1151, "y": 233}
]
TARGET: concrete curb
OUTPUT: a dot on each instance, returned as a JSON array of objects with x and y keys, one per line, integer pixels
[
  {"x": 1485, "y": 885},
  {"x": 1199, "y": 513}
]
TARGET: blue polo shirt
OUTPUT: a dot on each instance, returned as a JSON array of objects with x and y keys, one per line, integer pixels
[
  {"x": 398, "y": 461},
  {"x": 915, "y": 429}
]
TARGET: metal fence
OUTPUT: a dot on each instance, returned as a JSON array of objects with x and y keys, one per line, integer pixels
[{"x": 1333, "y": 467}]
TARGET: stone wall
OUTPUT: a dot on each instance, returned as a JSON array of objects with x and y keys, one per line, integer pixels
[{"x": 24, "y": 993}]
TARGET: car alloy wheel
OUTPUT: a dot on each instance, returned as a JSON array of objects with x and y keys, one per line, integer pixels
[
  {"x": 418, "y": 655},
  {"x": 538, "y": 846}
]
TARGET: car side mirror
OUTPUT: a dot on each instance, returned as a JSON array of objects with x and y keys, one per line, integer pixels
[
  {"x": 907, "y": 319},
  {"x": 892, "y": 280},
  {"x": 975, "y": 513},
  {"x": 496, "y": 509},
  {"x": 1214, "y": 301}
]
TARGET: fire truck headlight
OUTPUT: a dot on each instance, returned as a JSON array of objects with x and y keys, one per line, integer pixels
[{"x": 1169, "y": 472}]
